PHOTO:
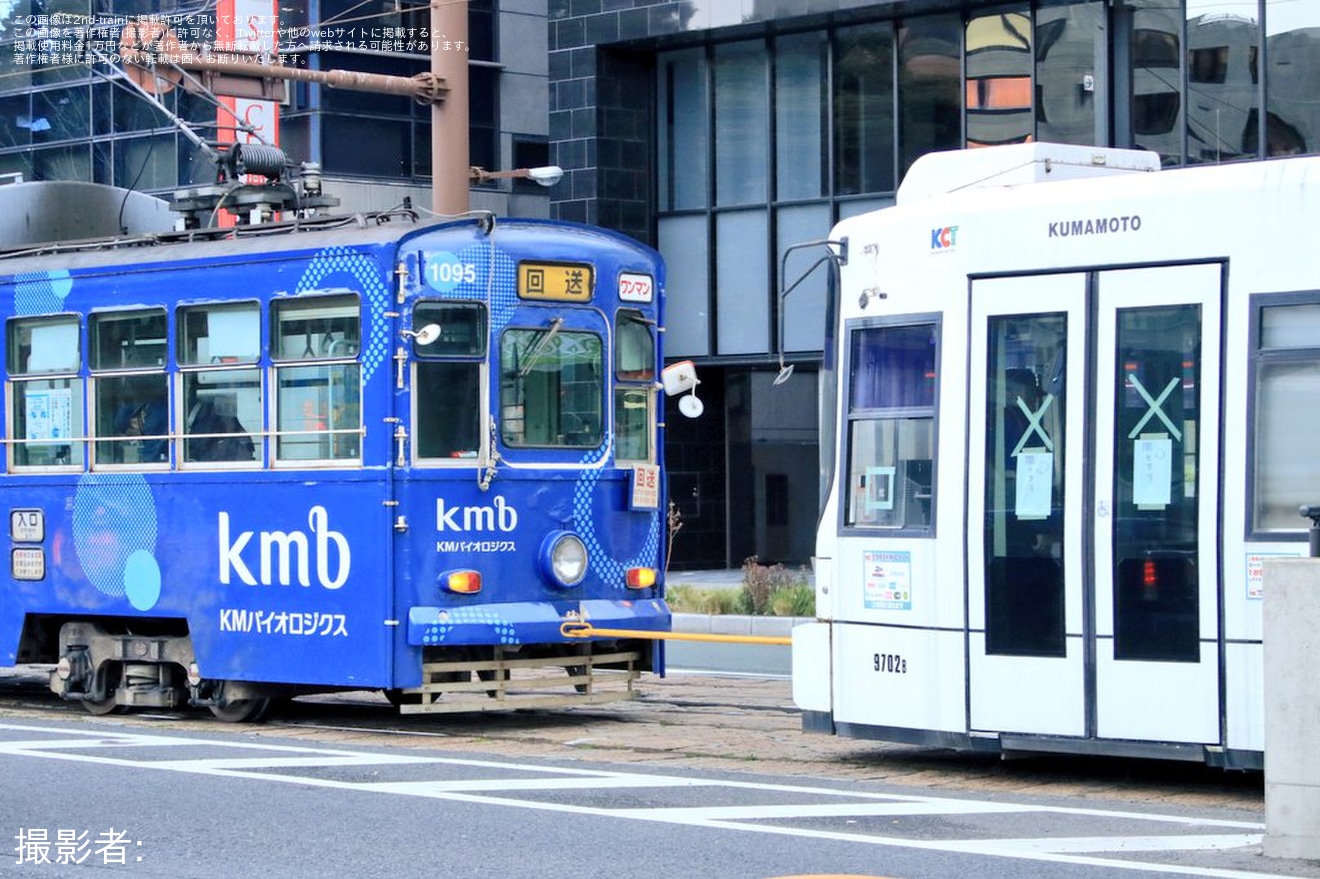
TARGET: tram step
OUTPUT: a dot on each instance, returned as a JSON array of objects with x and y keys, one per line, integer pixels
[{"x": 501, "y": 684}]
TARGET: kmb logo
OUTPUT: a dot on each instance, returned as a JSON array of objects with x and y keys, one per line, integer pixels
[{"x": 944, "y": 239}]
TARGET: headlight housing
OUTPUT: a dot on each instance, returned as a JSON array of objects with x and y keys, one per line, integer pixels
[{"x": 564, "y": 558}]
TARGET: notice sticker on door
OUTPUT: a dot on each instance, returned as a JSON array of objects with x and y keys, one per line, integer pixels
[
  {"x": 1034, "y": 484},
  {"x": 887, "y": 580},
  {"x": 1152, "y": 471}
]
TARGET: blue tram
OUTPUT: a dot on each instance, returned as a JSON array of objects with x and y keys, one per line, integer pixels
[{"x": 337, "y": 455}]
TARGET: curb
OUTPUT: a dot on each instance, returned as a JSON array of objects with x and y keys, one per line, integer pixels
[{"x": 731, "y": 624}]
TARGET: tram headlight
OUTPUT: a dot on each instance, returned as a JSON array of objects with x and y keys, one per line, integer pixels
[{"x": 564, "y": 558}]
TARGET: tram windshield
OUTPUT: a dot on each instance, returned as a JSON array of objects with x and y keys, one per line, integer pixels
[{"x": 551, "y": 387}]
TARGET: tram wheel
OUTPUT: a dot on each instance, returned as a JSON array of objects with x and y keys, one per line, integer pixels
[
  {"x": 110, "y": 679},
  {"x": 241, "y": 710},
  {"x": 102, "y": 707}
]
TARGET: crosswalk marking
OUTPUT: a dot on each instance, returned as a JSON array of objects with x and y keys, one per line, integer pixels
[{"x": 295, "y": 764}]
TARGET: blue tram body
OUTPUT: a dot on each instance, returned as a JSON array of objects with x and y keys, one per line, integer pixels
[{"x": 380, "y": 458}]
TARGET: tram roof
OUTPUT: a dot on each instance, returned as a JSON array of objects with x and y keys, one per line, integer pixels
[{"x": 209, "y": 244}]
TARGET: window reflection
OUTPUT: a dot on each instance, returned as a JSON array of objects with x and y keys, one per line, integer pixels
[
  {"x": 742, "y": 123},
  {"x": 864, "y": 110},
  {"x": 1072, "y": 72},
  {"x": 1292, "y": 39},
  {"x": 683, "y": 130},
  {"x": 929, "y": 86},
  {"x": 998, "y": 87},
  {"x": 801, "y": 108},
  {"x": 1223, "y": 40},
  {"x": 1156, "y": 70}
]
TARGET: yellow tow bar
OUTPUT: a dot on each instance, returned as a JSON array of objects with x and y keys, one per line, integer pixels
[{"x": 583, "y": 629}]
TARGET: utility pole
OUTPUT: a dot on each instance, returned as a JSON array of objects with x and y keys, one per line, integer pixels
[
  {"x": 450, "y": 165},
  {"x": 153, "y": 57}
]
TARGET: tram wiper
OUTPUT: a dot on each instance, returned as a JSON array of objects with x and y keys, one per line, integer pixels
[{"x": 541, "y": 344}]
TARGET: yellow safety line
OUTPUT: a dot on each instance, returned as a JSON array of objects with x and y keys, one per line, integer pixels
[{"x": 578, "y": 629}]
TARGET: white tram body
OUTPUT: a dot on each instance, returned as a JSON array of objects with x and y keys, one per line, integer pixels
[{"x": 1074, "y": 408}]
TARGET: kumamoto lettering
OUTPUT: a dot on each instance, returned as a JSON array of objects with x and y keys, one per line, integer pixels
[{"x": 1096, "y": 226}]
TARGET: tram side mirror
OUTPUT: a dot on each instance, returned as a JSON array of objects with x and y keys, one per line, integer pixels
[
  {"x": 681, "y": 378},
  {"x": 423, "y": 337}
]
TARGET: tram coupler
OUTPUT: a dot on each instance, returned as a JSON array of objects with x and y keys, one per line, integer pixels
[{"x": 1312, "y": 512}]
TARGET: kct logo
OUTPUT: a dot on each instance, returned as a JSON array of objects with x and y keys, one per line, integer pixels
[
  {"x": 282, "y": 551},
  {"x": 500, "y": 515},
  {"x": 945, "y": 238}
]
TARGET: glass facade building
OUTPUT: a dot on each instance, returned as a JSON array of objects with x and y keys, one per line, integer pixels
[
  {"x": 769, "y": 121},
  {"x": 67, "y": 114}
]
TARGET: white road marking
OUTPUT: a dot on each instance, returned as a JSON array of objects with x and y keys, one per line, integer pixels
[{"x": 259, "y": 759}]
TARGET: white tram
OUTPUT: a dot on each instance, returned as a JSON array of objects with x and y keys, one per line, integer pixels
[{"x": 1075, "y": 406}]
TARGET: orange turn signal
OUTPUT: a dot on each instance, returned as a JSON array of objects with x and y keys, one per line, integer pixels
[
  {"x": 461, "y": 582},
  {"x": 641, "y": 578}
]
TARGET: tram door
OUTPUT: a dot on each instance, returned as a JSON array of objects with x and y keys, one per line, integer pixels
[{"x": 1092, "y": 529}]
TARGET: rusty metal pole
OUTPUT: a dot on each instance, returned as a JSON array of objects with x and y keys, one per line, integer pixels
[{"x": 450, "y": 165}]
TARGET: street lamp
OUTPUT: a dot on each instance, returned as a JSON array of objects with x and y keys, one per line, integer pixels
[{"x": 547, "y": 175}]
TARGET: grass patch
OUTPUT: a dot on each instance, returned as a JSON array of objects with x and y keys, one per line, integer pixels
[
  {"x": 767, "y": 590},
  {"x": 684, "y": 598}
]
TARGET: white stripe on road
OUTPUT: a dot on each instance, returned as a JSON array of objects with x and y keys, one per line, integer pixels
[{"x": 99, "y": 747}]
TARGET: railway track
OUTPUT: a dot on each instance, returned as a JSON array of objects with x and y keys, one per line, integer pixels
[{"x": 720, "y": 723}]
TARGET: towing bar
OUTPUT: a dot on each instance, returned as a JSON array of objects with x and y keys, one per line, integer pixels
[{"x": 583, "y": 629}]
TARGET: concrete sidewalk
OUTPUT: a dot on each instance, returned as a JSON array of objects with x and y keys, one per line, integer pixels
[{"x": 714, "y": 579}]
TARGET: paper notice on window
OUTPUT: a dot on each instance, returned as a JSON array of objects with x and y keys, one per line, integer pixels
[
  {"x": 1152, "y": 472},
  {"x": 48, "y": 414},
  {"x": 1035, "y": 484}
]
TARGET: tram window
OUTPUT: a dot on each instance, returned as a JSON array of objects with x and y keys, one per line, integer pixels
[
  {"x": 447, "y": 409},
  {"x": 634, "y": 361},
  {"x": 219, "y": 334},
  {"x": 632, "y": 424},
  {"x": 634, "y": 348},
  {"x": 128, "y": 339},
  {"x": 1286, "y": 406},
  {"x": 128, "y": 351},
  {"x": 891, "y": 426},
  {"x": 551, "y": 387},
  {"x": 463, "y": 329},
  {"x": 316, "y": 328},
  {"x": 218, "y": 346},
  {"x": 47, "y": 415},
  {"x": 1024, "y": 485},
  {"x": 317, "y": 405},
  {"x": 1155, "y": 515}
]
